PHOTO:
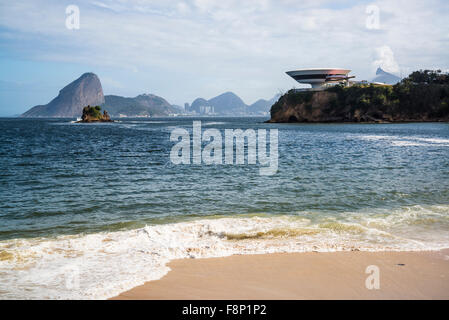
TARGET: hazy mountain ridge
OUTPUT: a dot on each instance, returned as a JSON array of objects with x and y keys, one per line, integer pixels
[
  {"x": 197, "y": 103},
  {"x": 262, "y": 106},
  {"x": 229, "y": 103},
  {"x": 385, "y": 77},
  {"x": 144, "y": 105},
  {"x": 87, "y": 90}
]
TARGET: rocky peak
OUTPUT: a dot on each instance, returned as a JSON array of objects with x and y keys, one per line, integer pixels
[{"x": 86, "y": 90}]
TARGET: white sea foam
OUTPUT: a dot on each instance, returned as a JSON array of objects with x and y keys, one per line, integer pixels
[
  {"x": 406, "y": 141},
  {"x": 112, "y": 262},
  {"x": 433, "y": 140},
  {"x": 211, "y": 123},
  {"x": 146, "y": 121}
]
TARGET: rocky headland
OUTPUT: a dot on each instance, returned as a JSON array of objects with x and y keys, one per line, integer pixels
[{"x": 422, "y": 96}]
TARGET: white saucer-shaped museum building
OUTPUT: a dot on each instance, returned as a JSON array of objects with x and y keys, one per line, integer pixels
[{"x": 320, "y": 78}]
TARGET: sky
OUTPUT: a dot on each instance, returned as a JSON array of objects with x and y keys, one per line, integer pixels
[{"x": 185, "y": 49}]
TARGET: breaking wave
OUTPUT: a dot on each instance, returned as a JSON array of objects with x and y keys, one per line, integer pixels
[{"x": 102, "y": 265}]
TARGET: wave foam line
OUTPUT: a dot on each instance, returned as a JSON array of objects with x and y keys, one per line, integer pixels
[{"x": 102, "y": 265}]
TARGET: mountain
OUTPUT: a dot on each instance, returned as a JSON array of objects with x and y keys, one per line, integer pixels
[
  {"x": 199, "y": 102},
  {"x": 140, "y": 106},
  {"x": 86, "y": 90},
  {"x": 262, "y": 106},
  {"x": 228, "y": 103},
  {"x": 385, "y": 77}
]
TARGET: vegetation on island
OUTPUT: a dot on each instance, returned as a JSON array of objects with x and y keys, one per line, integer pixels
[
  {"x": 93, "y": 114},
  {"x": 422, "y": 96}
]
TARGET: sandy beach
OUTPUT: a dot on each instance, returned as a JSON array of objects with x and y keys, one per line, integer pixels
[{"x": 336, "y": 275}]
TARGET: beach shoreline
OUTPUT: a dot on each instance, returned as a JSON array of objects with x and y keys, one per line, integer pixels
[{"x": 310, "y": 275}]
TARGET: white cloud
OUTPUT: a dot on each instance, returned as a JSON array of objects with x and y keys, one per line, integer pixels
[
  {"x": 183, "y": 8},
  {"x": 385, "y": 59},
  {"x": 205, "y": 47}
]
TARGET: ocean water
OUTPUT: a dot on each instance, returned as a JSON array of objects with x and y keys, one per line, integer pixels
[{"x": 91, "y": 210}]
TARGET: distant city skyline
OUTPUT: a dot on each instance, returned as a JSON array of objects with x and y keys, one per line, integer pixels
[{"x": 182, "y": 50}]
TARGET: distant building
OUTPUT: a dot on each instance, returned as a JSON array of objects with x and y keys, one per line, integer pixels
[
  {"x": 320, "y": 78},
  {"x": 206, "y": 110}
]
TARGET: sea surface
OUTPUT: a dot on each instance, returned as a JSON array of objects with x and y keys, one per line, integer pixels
[{"x": 91, "y": 210}]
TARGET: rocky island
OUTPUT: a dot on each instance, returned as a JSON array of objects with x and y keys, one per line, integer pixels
[
  {"x": 93, "y": 114},
  {"x": 422, "y": 96}
]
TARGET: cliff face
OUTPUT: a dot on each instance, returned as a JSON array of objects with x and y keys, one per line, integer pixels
[
  {"x": 400, "y": 103},
  {"x": 86, "y": 90},
  {"x": 304, "y": 107}
]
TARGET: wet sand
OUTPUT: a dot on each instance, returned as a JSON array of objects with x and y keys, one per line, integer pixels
[{"x": 336, "y": 275}]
